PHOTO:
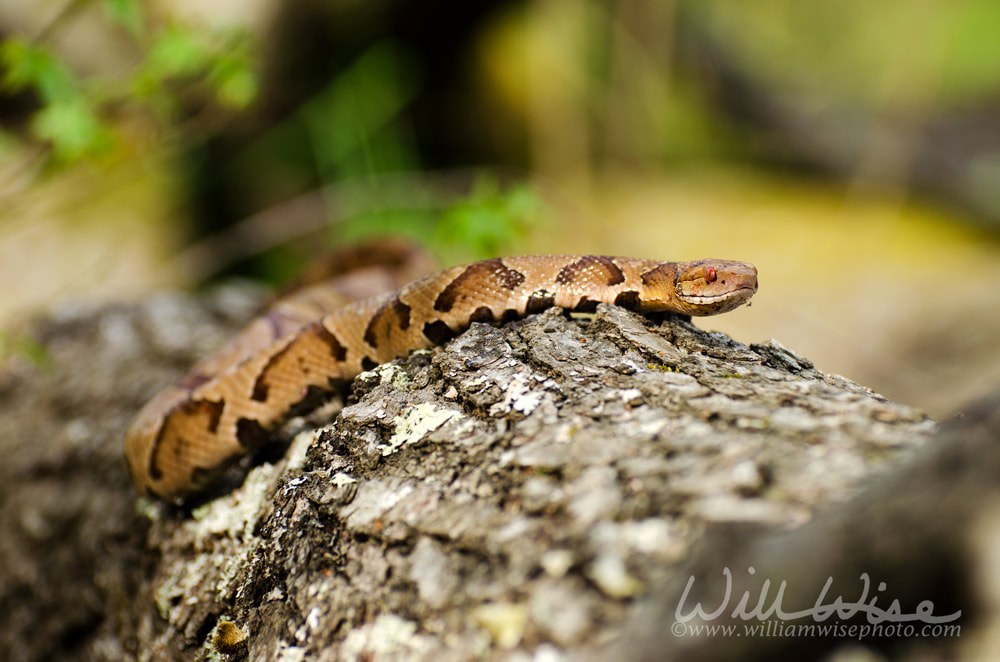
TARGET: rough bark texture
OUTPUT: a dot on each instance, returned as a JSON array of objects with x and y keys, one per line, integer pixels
[{"x": 526, "y": 491}]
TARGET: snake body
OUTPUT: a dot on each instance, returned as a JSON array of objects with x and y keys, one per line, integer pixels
[{"x": 292, "y": 357}]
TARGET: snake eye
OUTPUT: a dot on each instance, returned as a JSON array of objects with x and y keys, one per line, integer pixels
[{"x": 711, "y": 276}]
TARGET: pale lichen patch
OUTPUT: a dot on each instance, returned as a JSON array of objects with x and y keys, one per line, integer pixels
[
  {"x": 415, "y": 422},
  {"x": 389, "y": 637},
  {"x": 506, "y": 622}
]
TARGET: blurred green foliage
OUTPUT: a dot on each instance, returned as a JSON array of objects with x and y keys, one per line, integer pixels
[
  {"x": 355, "y": 137},
  {"x": 127, "y": 13},
  {"x": 485, "y": 223},
  {"x": 67, "y": 119},
  {"x": 26, "y": 65},
  {"x": 358, "y": 129},
  {"x": 356, "y": 126},
  {"x": 355, "y": 129},
  {"x": 861, "y": 52},
  {"x": 75, "y": 114}
]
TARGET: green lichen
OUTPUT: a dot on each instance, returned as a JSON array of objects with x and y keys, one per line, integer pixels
[{"x": 25, "y": 348}]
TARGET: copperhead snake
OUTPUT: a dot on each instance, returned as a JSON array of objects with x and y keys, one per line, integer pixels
[{"x": 299, "y": 351}]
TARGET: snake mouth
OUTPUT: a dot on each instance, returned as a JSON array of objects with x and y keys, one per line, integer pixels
[{"x": 708, "y": 299}]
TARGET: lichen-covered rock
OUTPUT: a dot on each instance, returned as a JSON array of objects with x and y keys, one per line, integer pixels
[{"x": 510, "y": 495}]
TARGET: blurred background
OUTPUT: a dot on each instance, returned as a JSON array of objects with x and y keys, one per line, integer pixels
[{"x": 851, "y": 150}]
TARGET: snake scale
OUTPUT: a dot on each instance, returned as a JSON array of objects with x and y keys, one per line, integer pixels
[{"x": 292, "y": 357}]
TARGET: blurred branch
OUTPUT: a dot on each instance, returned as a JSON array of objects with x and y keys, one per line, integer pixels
[
  {"x": 314, "y": 212},
  {"x": 298, "y": 217}
]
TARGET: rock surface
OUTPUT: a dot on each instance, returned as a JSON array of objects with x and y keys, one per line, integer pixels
[{"x": 513, "y": 495}]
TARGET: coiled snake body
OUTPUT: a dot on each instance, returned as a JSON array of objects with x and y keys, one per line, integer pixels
[{"x": 290, "y": 358}]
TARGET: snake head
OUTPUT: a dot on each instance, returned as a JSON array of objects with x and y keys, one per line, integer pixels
[{"x": 703, "y": 287}]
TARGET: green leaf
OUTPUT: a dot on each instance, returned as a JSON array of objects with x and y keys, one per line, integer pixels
[
  {"x": 72, "y": 128},
  {"x": 128, "y": 13},
  {"x": 488, "y": 222},
  {"x": 27, "y": 65},
  {"x": 233, "y": 79},
  {"x": 176, "y": 51}
]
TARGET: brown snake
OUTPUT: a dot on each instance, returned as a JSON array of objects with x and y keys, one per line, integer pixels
[{"x": 300, "y": 351}]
